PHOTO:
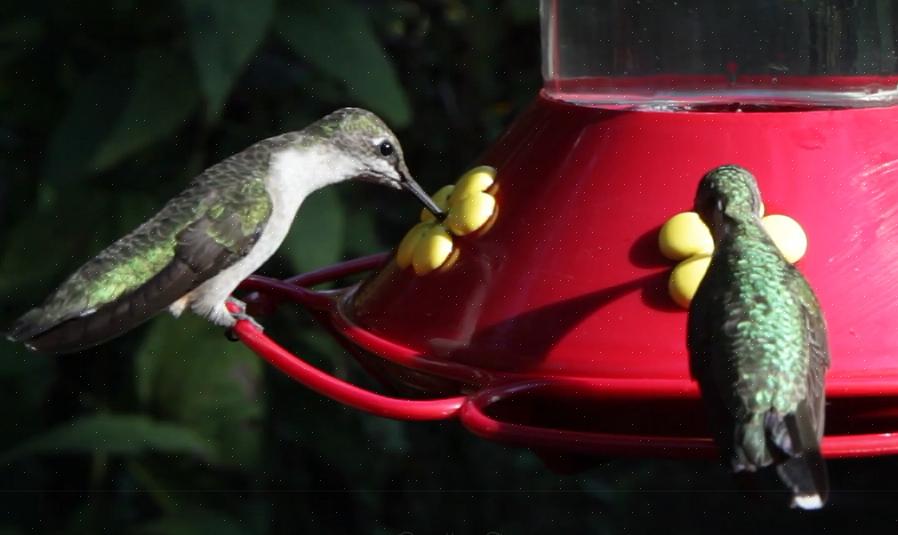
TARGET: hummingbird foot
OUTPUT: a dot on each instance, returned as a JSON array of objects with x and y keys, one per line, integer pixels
[
  {"x": 235, "y": 306},
  {"x": 243, "y": 316},
  {"x": 231, "y": 333},
  {"x": 236, "y": 311}
]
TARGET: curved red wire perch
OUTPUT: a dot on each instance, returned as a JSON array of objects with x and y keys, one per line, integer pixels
[
  {"x": 317, "y": 380},
  {"x": 473, "y": 410}
]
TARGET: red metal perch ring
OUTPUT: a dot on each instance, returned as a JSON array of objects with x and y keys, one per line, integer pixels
[
  {"x": 492, "y": 387},
  {"x": 317, "y": 380}
]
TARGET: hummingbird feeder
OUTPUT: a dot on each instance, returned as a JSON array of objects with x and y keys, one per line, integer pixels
[{"x": 539, "y": 314}]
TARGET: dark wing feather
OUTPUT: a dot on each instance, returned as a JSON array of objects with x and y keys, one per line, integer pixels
[
  {"x": 705, "y": 322},
  {"x": 228, "y": 224},
  {"x": 804, "y": 469},
  {"x": 818, "y": 348},
  {"x": 705, "y": 327}
]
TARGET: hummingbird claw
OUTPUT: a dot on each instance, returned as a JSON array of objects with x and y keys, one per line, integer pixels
[
  {"x": 231, "y": 332},
  {"x": 237, "y": 310},
  {"x": 231, "y": 335},
  {"x": 235, "y": 306}
]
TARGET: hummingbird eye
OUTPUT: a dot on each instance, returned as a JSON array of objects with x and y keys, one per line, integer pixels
[{"x": 386, "y": 148}]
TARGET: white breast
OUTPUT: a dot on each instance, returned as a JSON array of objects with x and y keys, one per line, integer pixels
[{"x": 293, "y": 175}]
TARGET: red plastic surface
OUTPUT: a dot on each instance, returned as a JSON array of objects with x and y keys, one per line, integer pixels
[
  {"x": 569, "y": 281},
  {"x": 650, "y": 418},
  {"x": 557, "y": 317},
  {"x": 315, "y": 379}
]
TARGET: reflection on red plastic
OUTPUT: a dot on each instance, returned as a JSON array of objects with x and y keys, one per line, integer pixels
[
  {"x": 662, "y": 428},
  {"x": 319, "y": 381},
  {"x": 567, "y": 288},
  {"x": 559, "y": 414}
]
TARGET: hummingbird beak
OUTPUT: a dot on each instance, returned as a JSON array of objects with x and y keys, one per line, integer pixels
[{"x": 409, "y": 184}]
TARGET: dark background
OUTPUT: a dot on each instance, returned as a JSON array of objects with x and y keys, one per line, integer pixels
[{"x": 106, "y": 110}]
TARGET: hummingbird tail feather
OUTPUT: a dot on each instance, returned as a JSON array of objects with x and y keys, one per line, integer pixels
[
  {"x": 804, "y": 471},
  {"x": 25, "y": 327},
  {"x": 108, "y": 321}
]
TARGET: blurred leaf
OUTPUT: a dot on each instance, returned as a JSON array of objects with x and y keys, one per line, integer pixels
[
  {"x": 387, "y": 434},
  {"x": 321, "y": 349},
  {"x": 25, "y": 380},
  {"x": 361, "y": 234},
  {"x": 132, "y": 209},
  {"x": 62, "y": 232},
  {"x": 193, "y": 522},
  {"x": 523, "y": 11},
  {"x": 21, "y": 31},
  {"x": 34, "y": 371},
  {"x": 16, "y": 38},
  {"x": 316, "y": 238},
  {"x": 188, "y": 372},
  {"x": 86, "y": 123},
  {"x": 337, "y": 38},
  {"x": 223, "y": 37},
  {"x": 162, "y": 98},
  {"x": 113, "y": 434}
]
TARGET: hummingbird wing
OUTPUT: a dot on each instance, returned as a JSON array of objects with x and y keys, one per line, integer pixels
[
  {"x": 204, "y": 230},
  {"x": 708, "y": 313},
  {"x": 805, "y": 470},
  {"x": 810, "y": 414},
  {"x": 818, "y": 348}
]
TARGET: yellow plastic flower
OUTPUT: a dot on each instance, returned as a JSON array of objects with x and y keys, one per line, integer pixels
[
  {"x": 468, "y": 207},
  {"x": 686, "y": 238}
]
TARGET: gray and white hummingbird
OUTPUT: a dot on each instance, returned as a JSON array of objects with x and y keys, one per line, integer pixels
[
  {"x": 205, "y": 241},
  {"x": 757, "y": 343}
]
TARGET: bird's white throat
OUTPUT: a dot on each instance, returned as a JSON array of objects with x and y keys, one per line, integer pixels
[{"x": 294, "y": 173}]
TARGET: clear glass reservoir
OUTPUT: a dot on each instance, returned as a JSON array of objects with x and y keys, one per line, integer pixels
[{"x": 721, "y": 54}]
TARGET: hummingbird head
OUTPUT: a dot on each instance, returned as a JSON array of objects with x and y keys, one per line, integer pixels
[
  {"x": 375, "y": 152},
  {"x": 727, "y": 193}
]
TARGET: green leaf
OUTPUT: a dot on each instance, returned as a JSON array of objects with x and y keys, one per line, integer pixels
[
  {"x": 21, "y": 31},
  {"x": 161, "y": 100},
  {"x": 25, "y": 380},
  {"x": 321, "y": 349},
  {"x": 86, "y": 124},
  {"x": 362, "y": 237},
  {"x": 223, "y": 36},
  {"x": 337, "y": 38},
  {"x": 113, "y": 434},
  {"x": 132, "y": 210},
  {"x": 54, "y": 238},
  {"x": 189, "y": 373},
  {"x": 192, "y": 522},
  {"x": 316, "y": 238},
  {"x": 522, "y": 11},
  {"x": 17, "y": 38}
]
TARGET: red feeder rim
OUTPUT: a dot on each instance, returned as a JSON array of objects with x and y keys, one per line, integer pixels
[{"x": 489, "y": 388}]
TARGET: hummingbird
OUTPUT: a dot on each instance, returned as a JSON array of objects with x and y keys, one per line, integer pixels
[
  {"x": 229, "y": 220},
  {"x": 757, "y": 344}
]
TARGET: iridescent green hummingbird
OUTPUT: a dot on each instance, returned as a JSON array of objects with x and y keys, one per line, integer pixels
[
  {"x": 757, "y": 344},
  {"x": 224, "y": 226}
]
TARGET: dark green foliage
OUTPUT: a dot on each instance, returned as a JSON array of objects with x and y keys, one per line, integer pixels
[
  {"x": 311, "y": 29},
  {"x": 107, "y": 109},
  {"x": 108, "y": 434}
]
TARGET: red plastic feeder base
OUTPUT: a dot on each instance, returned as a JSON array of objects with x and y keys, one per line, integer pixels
[
  {"x": 553, "y": 329},
  {"x": 648, "y": 418}
]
